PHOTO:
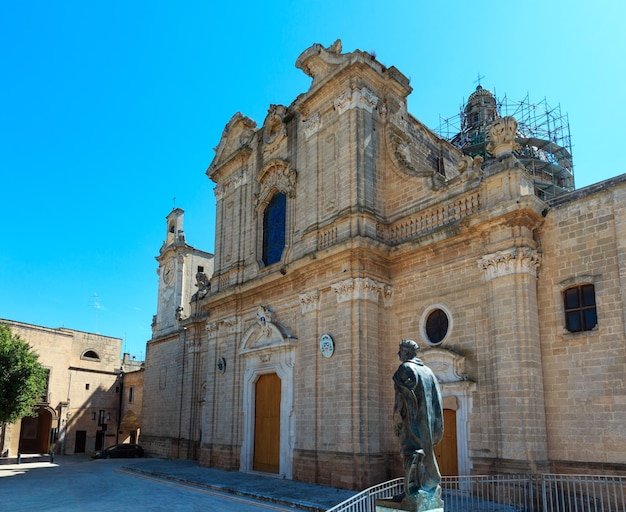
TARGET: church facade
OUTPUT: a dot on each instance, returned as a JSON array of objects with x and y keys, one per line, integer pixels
[{"x": 345, "y": 225}]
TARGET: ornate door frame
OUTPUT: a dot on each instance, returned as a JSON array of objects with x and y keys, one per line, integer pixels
[
  {"x": 266, "y": 349},
  {"x": 456, "y": 391}
]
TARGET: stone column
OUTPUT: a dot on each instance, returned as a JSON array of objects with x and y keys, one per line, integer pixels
[{"x": 511, "y": 277}]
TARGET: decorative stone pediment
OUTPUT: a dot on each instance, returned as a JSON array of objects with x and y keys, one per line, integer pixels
[
  {"x": 264, "y": 335},
  {"x": 275, "y": 175},
  {"x": 319, "y": 62},
  {"x": 235, "y": 141},
  {"x": 448, "y": 366}
]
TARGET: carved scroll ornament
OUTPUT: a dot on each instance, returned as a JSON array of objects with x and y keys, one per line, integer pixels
[{"x": 502, "y": 136}]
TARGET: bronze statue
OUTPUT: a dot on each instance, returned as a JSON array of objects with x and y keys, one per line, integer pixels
[{"x": 418, "y": 417}]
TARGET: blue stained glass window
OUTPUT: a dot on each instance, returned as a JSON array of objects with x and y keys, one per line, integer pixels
[{"x": 274, "y": 229}]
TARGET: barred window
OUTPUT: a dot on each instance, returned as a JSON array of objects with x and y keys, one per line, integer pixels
[{"x": 580, "y": 308}]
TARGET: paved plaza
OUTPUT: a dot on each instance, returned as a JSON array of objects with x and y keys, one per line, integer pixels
[{"x": 79, "y": 483}]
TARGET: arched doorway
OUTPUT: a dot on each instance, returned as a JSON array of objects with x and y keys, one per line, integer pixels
[
  {"x": 35, "y": 432},
  {"x": 267, "y": 424},
  {"x": 268, "y": 353}
]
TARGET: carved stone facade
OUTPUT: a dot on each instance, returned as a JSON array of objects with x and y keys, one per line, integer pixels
[{"x": 389, "y": 232}]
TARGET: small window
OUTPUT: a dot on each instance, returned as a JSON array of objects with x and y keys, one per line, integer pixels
[
  {"x": 436, "y": 326},
  {"x": 90, "y": 354},
  {"x": 274, "y": 229},
  {"x": 86, "y": 386},
  {"x": 101, "y": 417},
  {"x": 130, "y": 394},
  {"x": 45, "y": 397},
  {"x": 200, "y": 268},
  {"x": 580, "y": 308}
]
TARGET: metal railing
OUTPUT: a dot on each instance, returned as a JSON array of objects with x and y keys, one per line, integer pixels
[
  {"x": 510, "y": 493},
  {"x": 365, "y": 501}
]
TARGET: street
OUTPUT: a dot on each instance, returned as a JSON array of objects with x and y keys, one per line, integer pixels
[{"x": 79, "y": 483}]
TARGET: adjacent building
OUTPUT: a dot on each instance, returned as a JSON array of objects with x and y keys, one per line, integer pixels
[
  {"x": 345, "y": 225},
  {"x": 81, "y": 409}
]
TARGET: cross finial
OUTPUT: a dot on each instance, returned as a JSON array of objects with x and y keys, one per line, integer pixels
[
  {"x": 174, "y": 201},
  {"x": 479, "y": 78}
]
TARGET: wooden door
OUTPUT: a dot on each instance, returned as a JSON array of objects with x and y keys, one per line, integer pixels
[
  {"x": 446, "y": 450},
  {"x": 267, "y": 424},
  {"x": 29, "y": 431}
]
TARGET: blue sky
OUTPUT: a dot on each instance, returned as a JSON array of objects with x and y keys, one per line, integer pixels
[{"x": 110, "y": 110}]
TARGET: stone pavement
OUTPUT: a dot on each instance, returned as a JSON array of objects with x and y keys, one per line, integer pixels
[{"x": 267, "y": 488}]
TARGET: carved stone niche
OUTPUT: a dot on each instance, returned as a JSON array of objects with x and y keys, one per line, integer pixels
[{"x": 274, "y": 129}]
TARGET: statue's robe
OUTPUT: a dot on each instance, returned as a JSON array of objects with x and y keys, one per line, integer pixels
[{"x": 419, "y": 419}]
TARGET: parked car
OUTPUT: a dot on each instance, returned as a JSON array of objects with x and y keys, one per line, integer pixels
[{"x": 119, "y": 451}]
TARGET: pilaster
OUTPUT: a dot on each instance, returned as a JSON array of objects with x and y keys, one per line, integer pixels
[{"x": 511, "y": 277}]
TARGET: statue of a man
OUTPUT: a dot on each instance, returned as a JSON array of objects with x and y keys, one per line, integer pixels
[{"x": 418, "y": 418}]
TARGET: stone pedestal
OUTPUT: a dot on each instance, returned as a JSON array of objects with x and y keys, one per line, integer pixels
[{"x": 422, "y": 502}]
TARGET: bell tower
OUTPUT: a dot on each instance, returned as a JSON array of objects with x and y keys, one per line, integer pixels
[
  {"x": 175, "y": 233},
  {"x": 184, "y": 277},
  {"x": 171, "y": 260}
]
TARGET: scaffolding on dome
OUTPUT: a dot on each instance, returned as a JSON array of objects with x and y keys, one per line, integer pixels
[{"x": 543, "y": 135}]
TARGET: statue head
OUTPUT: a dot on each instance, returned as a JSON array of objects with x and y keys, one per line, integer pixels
[{"x": 408, "y": 350}]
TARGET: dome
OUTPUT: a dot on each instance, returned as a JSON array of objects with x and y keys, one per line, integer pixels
[{"x": 481, "y": 109}]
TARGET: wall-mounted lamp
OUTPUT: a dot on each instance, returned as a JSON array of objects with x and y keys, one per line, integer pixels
[{"x": 109, "y": 417}]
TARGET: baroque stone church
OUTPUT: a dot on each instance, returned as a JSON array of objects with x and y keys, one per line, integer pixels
[{"x": 345, "y": 225}]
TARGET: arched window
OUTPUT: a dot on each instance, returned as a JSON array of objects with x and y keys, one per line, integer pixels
[
  {"x": 90, "y": 354},
  {"x": 274, "y": 229}
]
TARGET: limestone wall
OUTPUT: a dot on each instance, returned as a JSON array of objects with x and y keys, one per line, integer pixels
[{"x": 583, "y": 242}]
